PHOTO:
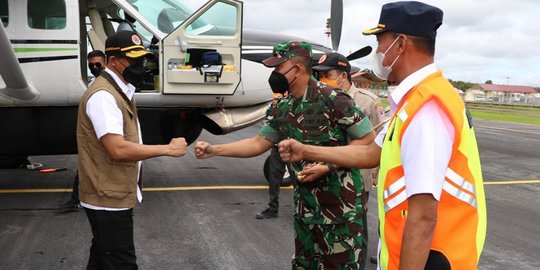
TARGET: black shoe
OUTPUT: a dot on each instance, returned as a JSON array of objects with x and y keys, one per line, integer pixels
[
  {"x": 267, "y": 213},
  {"x": 71, "y": 204},
  {"x": 373, "y": 259}
]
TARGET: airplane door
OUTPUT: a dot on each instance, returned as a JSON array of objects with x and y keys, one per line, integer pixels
[{"x": 191, "y": 53}]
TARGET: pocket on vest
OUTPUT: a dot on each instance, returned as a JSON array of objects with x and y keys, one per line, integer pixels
[
  {"x": 119, "y": 181},
  {"x": 115, "y": 191}
]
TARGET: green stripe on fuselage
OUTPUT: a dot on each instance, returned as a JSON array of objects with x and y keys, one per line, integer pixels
[{"x": 25, "y": 50}]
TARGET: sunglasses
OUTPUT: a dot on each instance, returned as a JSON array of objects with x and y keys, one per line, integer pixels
[{"x": 97, "y": 65}]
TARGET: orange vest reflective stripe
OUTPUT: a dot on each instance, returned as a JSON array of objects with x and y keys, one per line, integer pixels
[{"x": 461, "y": 218}]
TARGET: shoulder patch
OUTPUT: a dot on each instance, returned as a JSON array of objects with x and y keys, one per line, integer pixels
[{"x": 380, "y": 110}]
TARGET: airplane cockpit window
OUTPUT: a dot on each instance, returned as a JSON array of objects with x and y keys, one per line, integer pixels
[
  {"x": 221, "y": 19},
  {"x": 4, "y": 12},
  {"x": 166, "y": 15},
  {"x": 49, "y": 16}
]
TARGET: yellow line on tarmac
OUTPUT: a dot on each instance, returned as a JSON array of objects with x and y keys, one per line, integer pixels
[
  {"x": 207, "y": 188},
  {"x": 512, "y": 182},
  {"x": 149, "y": 189},
  {"x": 153, "y": 189},
  {"x": 35, "y": 190}
]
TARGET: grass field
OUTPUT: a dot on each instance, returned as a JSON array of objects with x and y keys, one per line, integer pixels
[
  {"x": 506, "y": 113},
  {"x": 502, "y": 113}
]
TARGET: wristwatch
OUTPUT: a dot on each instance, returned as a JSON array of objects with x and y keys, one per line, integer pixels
[{"x": 331, "y": 168}]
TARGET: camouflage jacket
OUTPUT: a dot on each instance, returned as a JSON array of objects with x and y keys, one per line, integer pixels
[{"x": 327, "y": 117}]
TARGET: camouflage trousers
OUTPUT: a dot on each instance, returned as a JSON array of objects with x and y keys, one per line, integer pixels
[{"x": 331, "y": 246}]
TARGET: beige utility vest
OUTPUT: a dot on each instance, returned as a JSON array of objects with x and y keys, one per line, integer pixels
[{"x": 103, "y": 181}]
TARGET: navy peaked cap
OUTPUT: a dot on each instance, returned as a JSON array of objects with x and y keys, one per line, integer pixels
[{"x": 410, "y": 18}]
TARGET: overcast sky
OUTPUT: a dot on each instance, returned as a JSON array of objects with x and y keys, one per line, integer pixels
[{"x": 479, "y": 40}]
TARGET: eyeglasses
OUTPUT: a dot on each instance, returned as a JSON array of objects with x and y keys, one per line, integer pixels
[{"x": 96, "y": 65}]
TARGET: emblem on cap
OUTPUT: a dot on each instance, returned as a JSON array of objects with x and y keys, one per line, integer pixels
[
  {"x": 136, "y": 39},
  {"x": 323, "y": 58}
]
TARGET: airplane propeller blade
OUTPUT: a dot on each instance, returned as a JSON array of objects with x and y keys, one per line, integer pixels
[
  {"x": 336, "y": 17},
  {"x": 360, "y": 53}
]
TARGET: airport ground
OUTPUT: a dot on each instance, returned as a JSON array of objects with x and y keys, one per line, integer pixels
[
  {"x": 506, "y": 113},
  {"x": 199, "y": 214}
]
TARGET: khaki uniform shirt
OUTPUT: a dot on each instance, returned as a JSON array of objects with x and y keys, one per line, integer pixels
[{"x": 371, "y": 106}]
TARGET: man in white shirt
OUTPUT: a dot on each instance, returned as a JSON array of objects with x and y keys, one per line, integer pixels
[
  {"x": 422, "y": 156},
  {"x": 96, "y": 63},
  {"x": 110, "y": 150}
]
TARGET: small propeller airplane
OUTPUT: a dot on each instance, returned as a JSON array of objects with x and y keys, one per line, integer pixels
[{"x": 44, "y": 72}]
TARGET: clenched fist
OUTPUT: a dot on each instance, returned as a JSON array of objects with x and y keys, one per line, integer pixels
[
  {"x": 291, "y": 150},
  {"x": 177, "y": 147},
  {"x": 203, "y": 150}
]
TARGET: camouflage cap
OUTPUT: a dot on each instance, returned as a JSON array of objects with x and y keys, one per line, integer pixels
[{"x": 285, "y": 50}]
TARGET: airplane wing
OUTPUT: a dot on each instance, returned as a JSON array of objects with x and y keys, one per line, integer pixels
[
  {"x": 17, "y": 87},
  {"x": 257, "y": 45}
]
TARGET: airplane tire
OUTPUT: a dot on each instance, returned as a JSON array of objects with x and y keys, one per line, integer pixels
[{"x": 9, "y": 162}]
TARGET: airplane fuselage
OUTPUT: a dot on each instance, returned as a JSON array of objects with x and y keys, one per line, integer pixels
[{"x": 53, "y": 63}]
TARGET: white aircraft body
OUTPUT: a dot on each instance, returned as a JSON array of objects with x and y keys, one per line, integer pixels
[{"x": 44, "y": 72}]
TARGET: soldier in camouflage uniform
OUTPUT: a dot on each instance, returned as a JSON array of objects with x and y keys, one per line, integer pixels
[{"x": 329, "y": 206}]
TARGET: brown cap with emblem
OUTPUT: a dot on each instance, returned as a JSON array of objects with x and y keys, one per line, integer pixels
[{"x": 127, "y": 44}]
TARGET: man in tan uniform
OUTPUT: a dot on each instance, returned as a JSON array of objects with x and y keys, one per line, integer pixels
[{"x": 335, "y": 69}]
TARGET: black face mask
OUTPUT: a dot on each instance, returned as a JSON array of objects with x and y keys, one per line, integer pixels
[
  {"x": 95, "y": 68},
  {"x": 133, "y": 74},
  {"x": 278, "y": 82}
]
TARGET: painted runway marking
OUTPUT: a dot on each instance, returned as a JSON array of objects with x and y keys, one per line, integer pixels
[
  {"x": 154, "y": 189},
  {"x": 208, "y": 188},
  {"x": 511, "y": 130},
  {"x": 512, "y": 182},
  {"x": 149, "y": 189}
]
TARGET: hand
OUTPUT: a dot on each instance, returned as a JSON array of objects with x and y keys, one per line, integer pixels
[
  {"x": 203, "y": 150},
  {"x": 291, "y": 150},
  {"x": 375, "y": 176},
  {"x": 312, "y": 172},
  {"x": 177, "y": 147}
]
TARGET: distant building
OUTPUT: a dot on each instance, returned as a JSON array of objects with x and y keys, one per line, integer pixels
[
  {"x": 474, "y": 95},
  {"x": 499, "y": 93}
]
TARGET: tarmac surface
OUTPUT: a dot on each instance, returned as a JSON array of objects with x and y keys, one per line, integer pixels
[{"x": 199, "y": 214}]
